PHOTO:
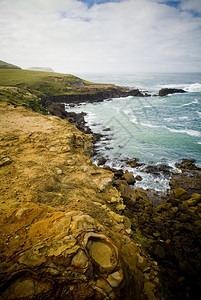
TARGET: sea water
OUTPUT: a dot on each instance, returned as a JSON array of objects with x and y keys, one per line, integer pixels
[{"x": 153, "y": 129}]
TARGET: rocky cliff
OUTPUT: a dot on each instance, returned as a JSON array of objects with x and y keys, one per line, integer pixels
[{"x": 63, "y": 234}]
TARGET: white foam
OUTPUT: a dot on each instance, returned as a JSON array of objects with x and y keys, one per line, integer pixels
[
  {"x": 195, "y": 87},
  {"x": 187, "y": 131},
  {"x": 151, "y": 125},
  {"x": 183, "y": 118},
  {"x": 199, "y": 113},
  {"x": 169, "y": 119},
  {"x": 195, "y": 101},
  {"x": 134, "y": 120}
]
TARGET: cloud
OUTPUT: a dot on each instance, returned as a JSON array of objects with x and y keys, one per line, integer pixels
[{"x": 116, "y": 36}]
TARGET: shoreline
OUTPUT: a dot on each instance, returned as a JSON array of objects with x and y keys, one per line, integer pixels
[
  {"x": 158, "y": 172},
  {"x": 61, "y": 212}
]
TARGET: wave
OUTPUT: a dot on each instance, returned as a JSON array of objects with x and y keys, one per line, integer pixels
[
  {"x": 150, "y": 125},
  {"x": 195, "y": 101},
  {"x": 199, "y": 113},
  {"x": 169, "y": 119},
  {"x": 195, "y": 87},
  {"x": 191, "y": 88},
  {"x": 183, "y": 118},
  {"x": 187, "y": 131}
]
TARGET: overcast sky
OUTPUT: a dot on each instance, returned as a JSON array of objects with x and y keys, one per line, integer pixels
[{"x": 83, "y": 36}]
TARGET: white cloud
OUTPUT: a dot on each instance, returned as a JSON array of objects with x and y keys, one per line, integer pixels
[{"x": 126, "y": 36}]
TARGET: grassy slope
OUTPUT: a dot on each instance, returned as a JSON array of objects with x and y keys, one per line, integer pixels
[
  {"x": 44, "y": 82},
  {"x": 5, "y": 65},
  {"x": 25, "y": 87}
]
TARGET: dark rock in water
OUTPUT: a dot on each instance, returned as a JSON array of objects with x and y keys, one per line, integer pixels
[
  {"x": 188, "y": 164},
  {"x": 93, "y": 95},
  {"x": 138, "y": 178},
  {"x": 134, "y": 163},
  {"x": 158, "y": 169},
  {"x": 190, "y": 177},
  {"x": 129, "y": 177},
  {"x": 167, "y": 91},
  {"x": 101, "y": 161},
  {"x": 106, "y": 129},
  {"x": 189, "y": 180},
  {"x": 136, "y": 93}
]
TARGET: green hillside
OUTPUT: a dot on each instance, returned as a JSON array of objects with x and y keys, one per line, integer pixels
[
  {"x": 43, "y": 82},
  {"x": 5, "y": 65}
]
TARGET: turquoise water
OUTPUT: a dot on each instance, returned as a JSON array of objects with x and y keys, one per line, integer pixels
[{"x": 153, "y": 129}]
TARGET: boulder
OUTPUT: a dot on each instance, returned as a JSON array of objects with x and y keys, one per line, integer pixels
[
  {"x": 167, "y": 91},
  {"x": 101, "y": 161},
  {"x": 181, "y": 194},
  {"x": 128, "y": 176}
]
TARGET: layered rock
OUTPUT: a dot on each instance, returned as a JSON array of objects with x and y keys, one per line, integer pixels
[{"x": 63, "y": 234}]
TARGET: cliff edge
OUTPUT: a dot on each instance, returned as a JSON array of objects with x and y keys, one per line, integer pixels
[{"x": 63, "y": 235}]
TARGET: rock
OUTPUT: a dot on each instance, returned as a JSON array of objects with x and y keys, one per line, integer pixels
[
  {"x": 127, "y": 193},
  {"x": 115, "y": 278},
  {"x": 189, "y": 180},
  {"x": 188, "y": 164},
  {"x": 128, "y": 177},
  {"x": 80, "y": 259},
  {"x": 55, "y": 240},
  {"x": 159, "y": 252},
  {"x": 158, "y": 169},
  {"x": 138, "y": 178},
  {"x": 5, "y": 160},
  {"x": 101, "y": 161},
  {"x": 167, "y": 91},
  {"x": 136, "y": 93},
  {"x": 134, "y": 163},
  {"x": 181, "y": 194},
  {"x": 102, "y": 253}
]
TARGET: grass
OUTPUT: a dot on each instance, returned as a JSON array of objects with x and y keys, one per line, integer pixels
[
  {"x": 26, "y": 87},
  {"x": 19, "y": 96},
  {"x": 44, "y": 82},
  {"x": 5, "y": 65}
]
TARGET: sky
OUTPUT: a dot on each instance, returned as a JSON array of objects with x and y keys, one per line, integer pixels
[{"x": 102, "y": 36}]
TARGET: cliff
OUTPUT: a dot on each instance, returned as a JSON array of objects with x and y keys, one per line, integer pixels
[
  {"x": 63, "y": 88},
  {"x": 63, "y": 234},
  {"x": 70, "y": 229}
]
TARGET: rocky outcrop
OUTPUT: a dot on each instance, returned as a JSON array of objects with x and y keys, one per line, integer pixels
[
  {"x": 189, "y": 178},
  {"x": 97, "y": 94},
  {"x": 170, "y": 232},
  {"x": 62, "y": 231},
  {"x": 167, "y": 91}
]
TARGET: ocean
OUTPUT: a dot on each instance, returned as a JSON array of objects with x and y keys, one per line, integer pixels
[{"x": 156, "y": 130}]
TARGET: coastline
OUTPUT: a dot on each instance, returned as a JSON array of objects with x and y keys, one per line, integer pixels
[{"x": 152, "y": 238}]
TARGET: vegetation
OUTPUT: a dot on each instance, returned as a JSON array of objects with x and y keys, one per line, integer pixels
[
  {"x": 5, "y": 65},
  {"x": 43, "y": 82},
  {"x": 19, "y": 96}
]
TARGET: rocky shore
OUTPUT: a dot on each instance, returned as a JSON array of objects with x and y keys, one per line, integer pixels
[
  {"x": 73, "y": 230},
  {"x": 63, "y": 234}
]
